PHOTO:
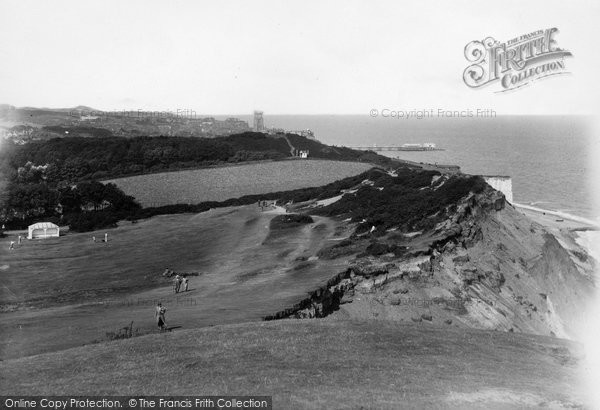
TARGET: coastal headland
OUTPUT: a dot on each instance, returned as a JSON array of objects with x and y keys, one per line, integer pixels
[{"x": 430, "y": 272}]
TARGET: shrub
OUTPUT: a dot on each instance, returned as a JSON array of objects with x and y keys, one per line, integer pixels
[
  {"x": 405, "y": 201},
  {"x": 126, "y": 332},
  {"x": 377, "y": 249},
  {"x": 290, "y": 221},
  {"x": 89, "y": 221}
]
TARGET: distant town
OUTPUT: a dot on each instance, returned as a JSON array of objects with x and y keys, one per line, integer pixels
[{"x": 22, "y": 125}]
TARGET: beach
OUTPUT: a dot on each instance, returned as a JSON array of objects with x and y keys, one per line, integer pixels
[
  {"x": 557, "y": 221},
  {"x": 575, "y": 233}
]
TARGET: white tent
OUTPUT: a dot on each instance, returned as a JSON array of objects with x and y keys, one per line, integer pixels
[{"x": 43, "y": 230}]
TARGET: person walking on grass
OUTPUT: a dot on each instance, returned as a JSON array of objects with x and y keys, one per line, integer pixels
[
  {"x": 159, "y": 315},
  {"x": 12, "y": 245},
  {"x": 185, "y": 284},
  {"x": 177, "y": 283}
]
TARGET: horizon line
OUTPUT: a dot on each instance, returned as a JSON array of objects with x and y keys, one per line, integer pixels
[{"x": 250, "y": 113}]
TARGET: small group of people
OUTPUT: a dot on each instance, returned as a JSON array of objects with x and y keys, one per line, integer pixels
[
  {"x": 262, "y": 204},
  {"x": 181, "y": 283},
  {"x": 101, "y": 240},
  {"x": 12, "y": 243}
]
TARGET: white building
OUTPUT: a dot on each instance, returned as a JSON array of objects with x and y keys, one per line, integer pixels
[{"x": 42, "y": 230}]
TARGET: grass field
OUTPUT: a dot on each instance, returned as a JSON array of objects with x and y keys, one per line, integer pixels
[
  {"x": 319, "y": 364},
  {"x": 221, "y": 183},
  {"x": 68, "y": 291}
]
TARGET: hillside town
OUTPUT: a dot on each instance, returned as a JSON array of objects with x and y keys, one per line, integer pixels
[{"x": 22, "y": 125}]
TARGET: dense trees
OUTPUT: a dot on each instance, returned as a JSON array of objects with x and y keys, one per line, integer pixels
[
  {"x": 72, "y": 159},
  {"x": 26, "y": 201},
  {"x": 56, "y": 179},
  {"x": 68, "y": 204}
]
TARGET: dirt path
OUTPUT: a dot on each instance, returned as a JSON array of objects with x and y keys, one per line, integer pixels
[
  {"x": 246, "y": 274},
  {"x": 292, "y": 149}
]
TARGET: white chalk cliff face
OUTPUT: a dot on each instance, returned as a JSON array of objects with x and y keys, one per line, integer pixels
[
  {"x": 502, "y": 184},
  {"x": 487, "y": 266}
]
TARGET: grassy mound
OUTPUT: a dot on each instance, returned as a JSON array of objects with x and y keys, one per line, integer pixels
[{"x": 317, "y": 364}]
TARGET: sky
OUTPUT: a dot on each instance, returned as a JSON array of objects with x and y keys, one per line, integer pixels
[{"x": 292, "y": 57}]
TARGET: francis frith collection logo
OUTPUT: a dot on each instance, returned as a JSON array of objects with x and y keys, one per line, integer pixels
[{"x": 514, "y": 63}]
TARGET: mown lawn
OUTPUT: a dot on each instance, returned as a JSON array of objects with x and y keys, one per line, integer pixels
[{"x": 221, "y": 183}]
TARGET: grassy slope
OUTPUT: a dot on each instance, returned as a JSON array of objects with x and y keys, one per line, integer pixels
[
  {"x": 245, "y": 276},
  {"x": 74, "y": 269},
  {"x": 317, "y": 364}
]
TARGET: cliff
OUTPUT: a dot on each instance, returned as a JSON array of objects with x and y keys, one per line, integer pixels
[
  {"x": 502, "y": 184},
  {"x": 482, "y": 264}
]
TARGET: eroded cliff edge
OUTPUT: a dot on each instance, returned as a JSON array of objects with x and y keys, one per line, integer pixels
[{"x": 463, "y": 257}]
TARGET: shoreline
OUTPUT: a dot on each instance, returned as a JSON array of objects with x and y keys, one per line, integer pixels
[
  {"x": 557, "y": 220},
  {"x": 574, "y": 233}
]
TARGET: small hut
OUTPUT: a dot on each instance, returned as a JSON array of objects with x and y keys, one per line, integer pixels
[{"x": 43, "y": 230}]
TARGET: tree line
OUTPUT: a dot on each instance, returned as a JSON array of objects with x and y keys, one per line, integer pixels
[
  {"x": 73, "y": 158},
  {"x": 56, "y": 179}
]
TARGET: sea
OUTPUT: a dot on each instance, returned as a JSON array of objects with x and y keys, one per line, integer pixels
[{"x": 547, "y": 157}]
